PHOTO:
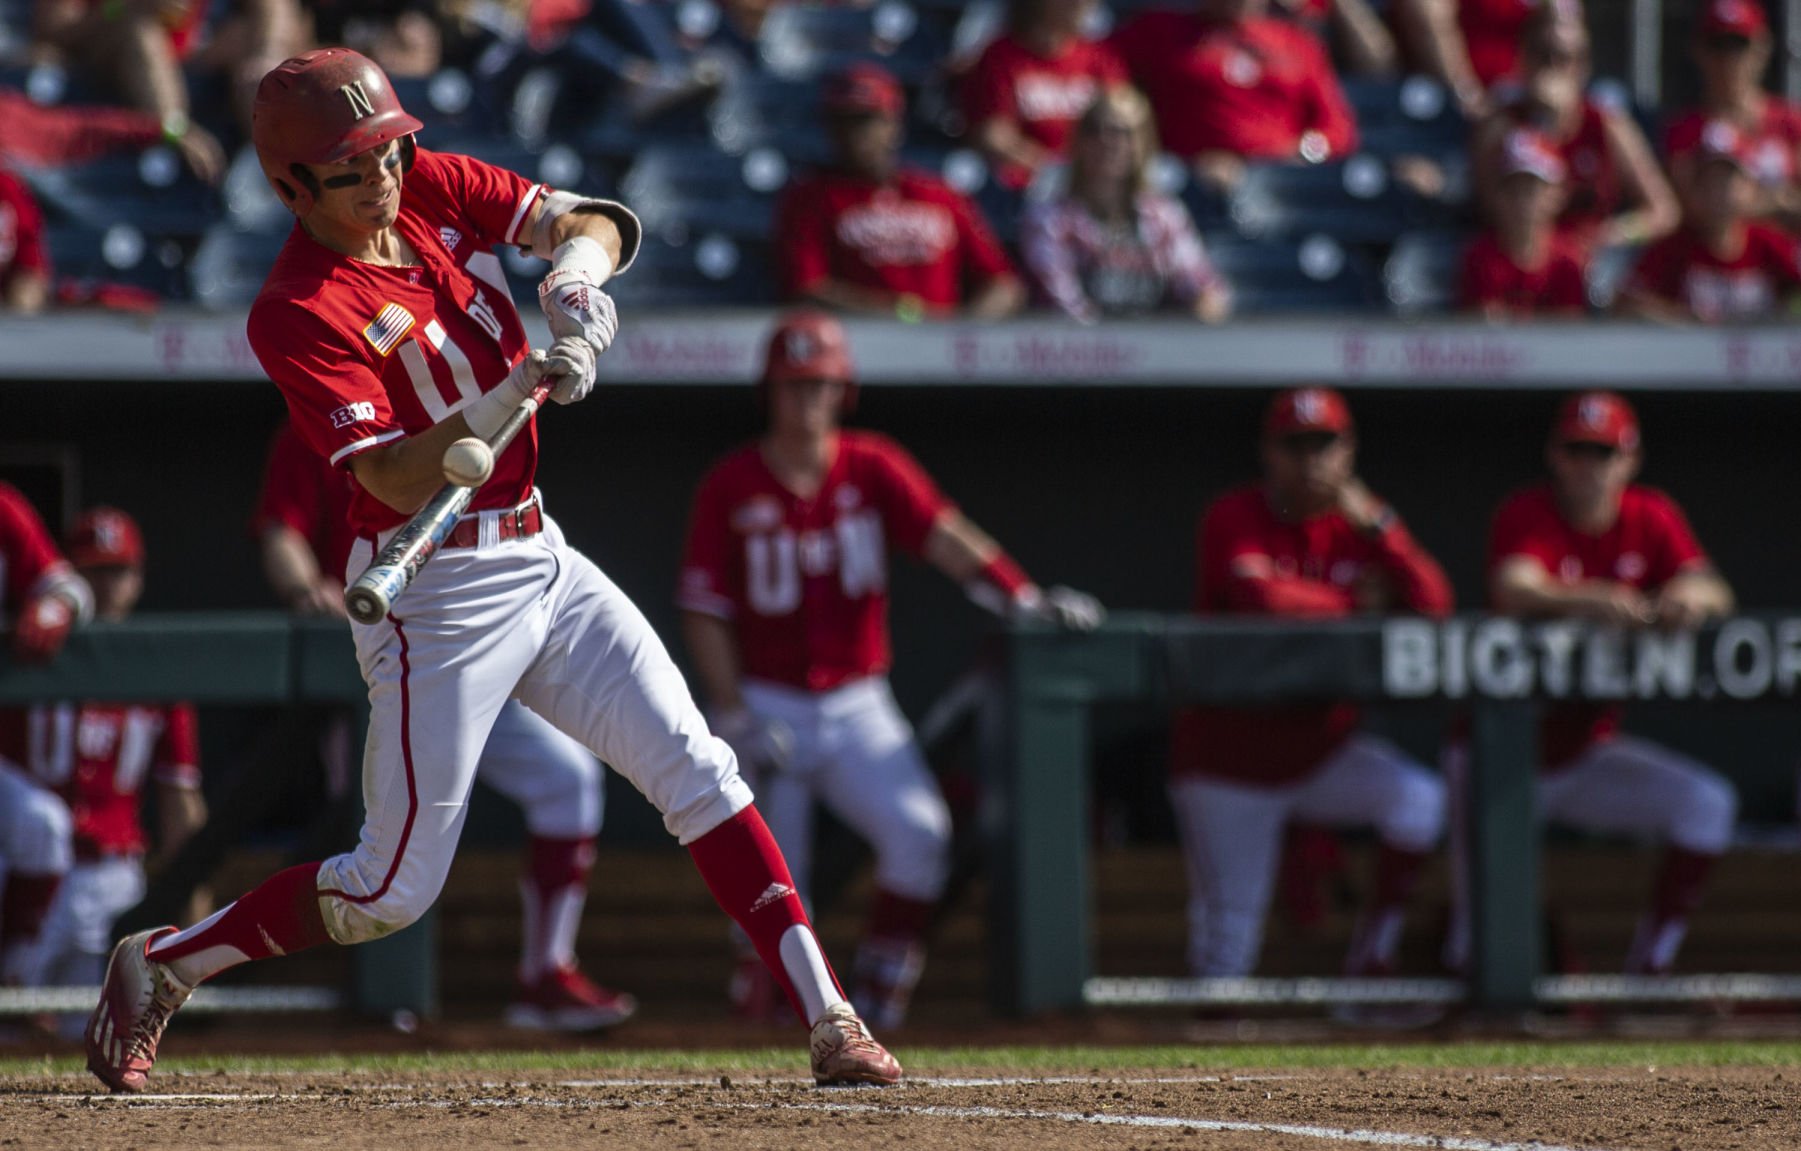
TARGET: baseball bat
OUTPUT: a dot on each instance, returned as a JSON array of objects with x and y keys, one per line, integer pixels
[{"x": 369, "y": 599}]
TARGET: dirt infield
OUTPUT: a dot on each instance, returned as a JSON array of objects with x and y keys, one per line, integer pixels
[{"x": 1687, "y": 1109}]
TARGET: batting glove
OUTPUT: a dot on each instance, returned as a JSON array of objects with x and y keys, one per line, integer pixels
[
  {"x": 758, "y": 741},
  {"x": 1065, "y": 607},
  {"x": 571, "y": 298},
  {"x": 41, "y": 628},
  {"x": 571, "y": 358}
]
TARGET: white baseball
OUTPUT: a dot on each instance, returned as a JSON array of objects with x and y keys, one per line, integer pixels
[{"x": 469, "y": 462}]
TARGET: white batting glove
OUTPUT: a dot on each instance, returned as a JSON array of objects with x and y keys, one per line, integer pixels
[
  {"x": 488, "y": 411},
  {"x": 571, "y": 358},
  {"x": 1065, "y": 607},
  {"x": 570, "y": 294},
  {"x": 758, "y": 741}
]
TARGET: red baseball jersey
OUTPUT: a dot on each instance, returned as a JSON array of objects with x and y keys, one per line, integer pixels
[
  {"x": 1043, "y": 95},
  {"x": 805, "y": 581},
  {"x": 303, "y": 492},
  {"x": 29, "y": 559},
  {"x": 1249, "y": 561},
  {"x": 1772, "y": 144},
  {"x": 1557, "y": 287},
  {"x": 97, "y": 756},
  {"x": 366, "y": 354},
  {"x": 913, "y": 235},
  {"x": 1491, "y": 32},
  {"x": 1252, "y": 87},
  {"x": 1647, "y": 545},
  {"x": 1748, "y": 286},
  {"x": 22, "y": 246}
]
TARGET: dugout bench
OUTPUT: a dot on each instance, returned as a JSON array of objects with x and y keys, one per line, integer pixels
[{"x": 1037, "y": 748}]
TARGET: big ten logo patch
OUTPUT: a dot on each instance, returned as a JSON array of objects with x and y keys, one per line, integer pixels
[{"x": 352, "y": 414}]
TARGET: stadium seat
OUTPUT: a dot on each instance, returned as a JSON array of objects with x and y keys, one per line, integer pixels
[
  {"x": 120, "y": 254},
  {"x": 1415, "y": 116},
  {"x": 1312, "y": 274},
  {"x": 1354, "y": 200},
  {"x": 152, "y": 189},
  {"x": 449, "y": 99},
  {"x": 714, "y": 270},
  {"x": 803, "y": 41},
  {"x": 228, "y": 268},
  {"x": 1420, "y": 275},
  {"x": 770, "y": 111},
  {"x": 678, "y": 189}
]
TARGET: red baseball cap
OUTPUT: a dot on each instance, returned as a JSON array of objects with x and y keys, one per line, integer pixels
[
  {"x": 863, "y": 89},
  {"x": 1732, "y": 18},
  {"x": 105, "y": 537},
  {"x": 1526, "y": 150},
  {"x": 808, "y": 345},
  {"x": 1597, "y": 418},
  {"x": 1304, "y": 410}
]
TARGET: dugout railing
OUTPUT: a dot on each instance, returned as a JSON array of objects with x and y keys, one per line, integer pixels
[
  {"x": 1038, "y": 751},
  {"x": 248, "y": 659}
]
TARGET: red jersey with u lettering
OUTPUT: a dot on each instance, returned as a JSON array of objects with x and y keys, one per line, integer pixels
[
  {"x": 1648, "y": 545},
  {"x": 304, "y": 493},
  {"x": 805, "y": 581},
  {"x": 1043, "y": 95},
  {"x": 97, "y": 757},
  {"x": 366, "y": 354},
  {"x": 1250, "y": 561},
  {"x": 29, "y": 559},
  {"x": 913, "y": 235},
  {"x": 1252, "y": 87}
]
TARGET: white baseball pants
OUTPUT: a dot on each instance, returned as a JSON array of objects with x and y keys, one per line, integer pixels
[{"x": 1232, "y": 837}]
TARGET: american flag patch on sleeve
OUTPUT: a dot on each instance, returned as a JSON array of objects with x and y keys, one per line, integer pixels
[{"x": 388, "y": 327}]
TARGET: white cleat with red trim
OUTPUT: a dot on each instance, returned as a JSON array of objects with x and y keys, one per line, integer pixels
[
  {"x": 845, "y": 1054},
  {"x": 136, "y": 1001}
]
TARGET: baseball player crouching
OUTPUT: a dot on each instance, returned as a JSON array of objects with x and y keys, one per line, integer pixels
[
  {"x": 387, "y": 325},
  {"x": 1310, "y": 541},
  {"x": 784, "y": 591}
]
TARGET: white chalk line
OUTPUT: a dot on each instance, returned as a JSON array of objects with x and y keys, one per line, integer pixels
[{"x": 1364, "y": 1136}]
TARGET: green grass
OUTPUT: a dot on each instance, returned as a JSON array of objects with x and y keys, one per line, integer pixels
[{"x": 789, "y": 1062}]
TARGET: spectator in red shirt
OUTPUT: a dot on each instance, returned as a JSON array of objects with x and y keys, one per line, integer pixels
[
  {"x": 46, "y": 136},
  {"x": 1310, "y": 541},
  {"x": 1231, "y": 84},
  {"x": 870, "y": 236},
  {"x": 1112, "y": 245},
  {"x": 24, "y": 258},
  {"x": 1592, "y": 545},
  {"x": 1032, "y": 83},
  {"x": 1523, "y": 266},
  {"x": 1732, "y": 51},
  {"x": 1617, "y": 195},
  {"x": 1723, "y": 265},
  {"x": 1468, "y": 45}
]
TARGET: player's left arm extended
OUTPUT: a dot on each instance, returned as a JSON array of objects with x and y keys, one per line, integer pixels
[
  {"x": 1693, "y": 596},
  {"x": 969, "y": 555}
]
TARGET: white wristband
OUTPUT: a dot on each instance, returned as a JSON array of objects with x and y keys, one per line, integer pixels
[{"x": 488, "y": 411}]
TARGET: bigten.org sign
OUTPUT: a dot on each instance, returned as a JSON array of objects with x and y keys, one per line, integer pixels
[{"x": 1743, "y": 659}]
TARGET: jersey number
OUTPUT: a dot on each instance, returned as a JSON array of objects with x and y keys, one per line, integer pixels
[{"x": 775, "y": 563}]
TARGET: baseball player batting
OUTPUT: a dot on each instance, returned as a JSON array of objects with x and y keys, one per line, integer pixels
[
  {"x": 303, "y": 527},
  {"x": 98, "y": 757},
  {"x": 44, "y": 598},
  {"x": 1592, "y": 544},
  {"x": 785, "y": 598},
  {"x": 387, "y": 326},
  {"x": 1310, "y": 541}
]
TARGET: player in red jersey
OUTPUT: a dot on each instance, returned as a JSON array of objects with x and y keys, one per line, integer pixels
[
  {"x": 387, "y": 325},
  {"x": 1723, "y": 266},
  {"x": 1523, "y": 266},
  {"x": 1592, "y": 545},
  {"x": 98, "y": 756},
  {"x": 302, "y": 524},
  {"x": 1310, "y": 541},
  {"x": 24, "y": 258},
  {"x": 784, "y": 591},
  {"x": 1032, "y": 83},
  {"x": 868, "y": 235},
  {"x": 1230, "y": 83},
  {"x": 42, "y": 597}
]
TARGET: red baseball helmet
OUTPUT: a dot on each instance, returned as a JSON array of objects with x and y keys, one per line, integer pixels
[
  {"x": 809, "y": 345},
  {"x": 105, "y": 537},
  {"x": 319, "y": 108}
]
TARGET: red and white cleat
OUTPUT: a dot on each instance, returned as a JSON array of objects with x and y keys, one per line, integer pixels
[
  {"x": 563, "y": 999},
  {"x": 136, "y": 1001},
  {"x": 845, "y": 1054}
]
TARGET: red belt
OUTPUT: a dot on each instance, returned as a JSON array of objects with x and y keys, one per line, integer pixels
[{"x": 515, "y": 523}]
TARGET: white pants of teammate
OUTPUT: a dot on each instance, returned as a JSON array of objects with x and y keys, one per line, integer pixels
[
  {"x": 1232, "y": 838},
  {"x": 35, "y": 839},
  {"x": 78, "y": 933},
  {"x": 1623, "y": 786},
  {"x": 531, "y": 619},
  {"x": 854, "y": 752}
]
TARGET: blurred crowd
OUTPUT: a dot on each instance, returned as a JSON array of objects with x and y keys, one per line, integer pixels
[{"x": 924, "y": 159}]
